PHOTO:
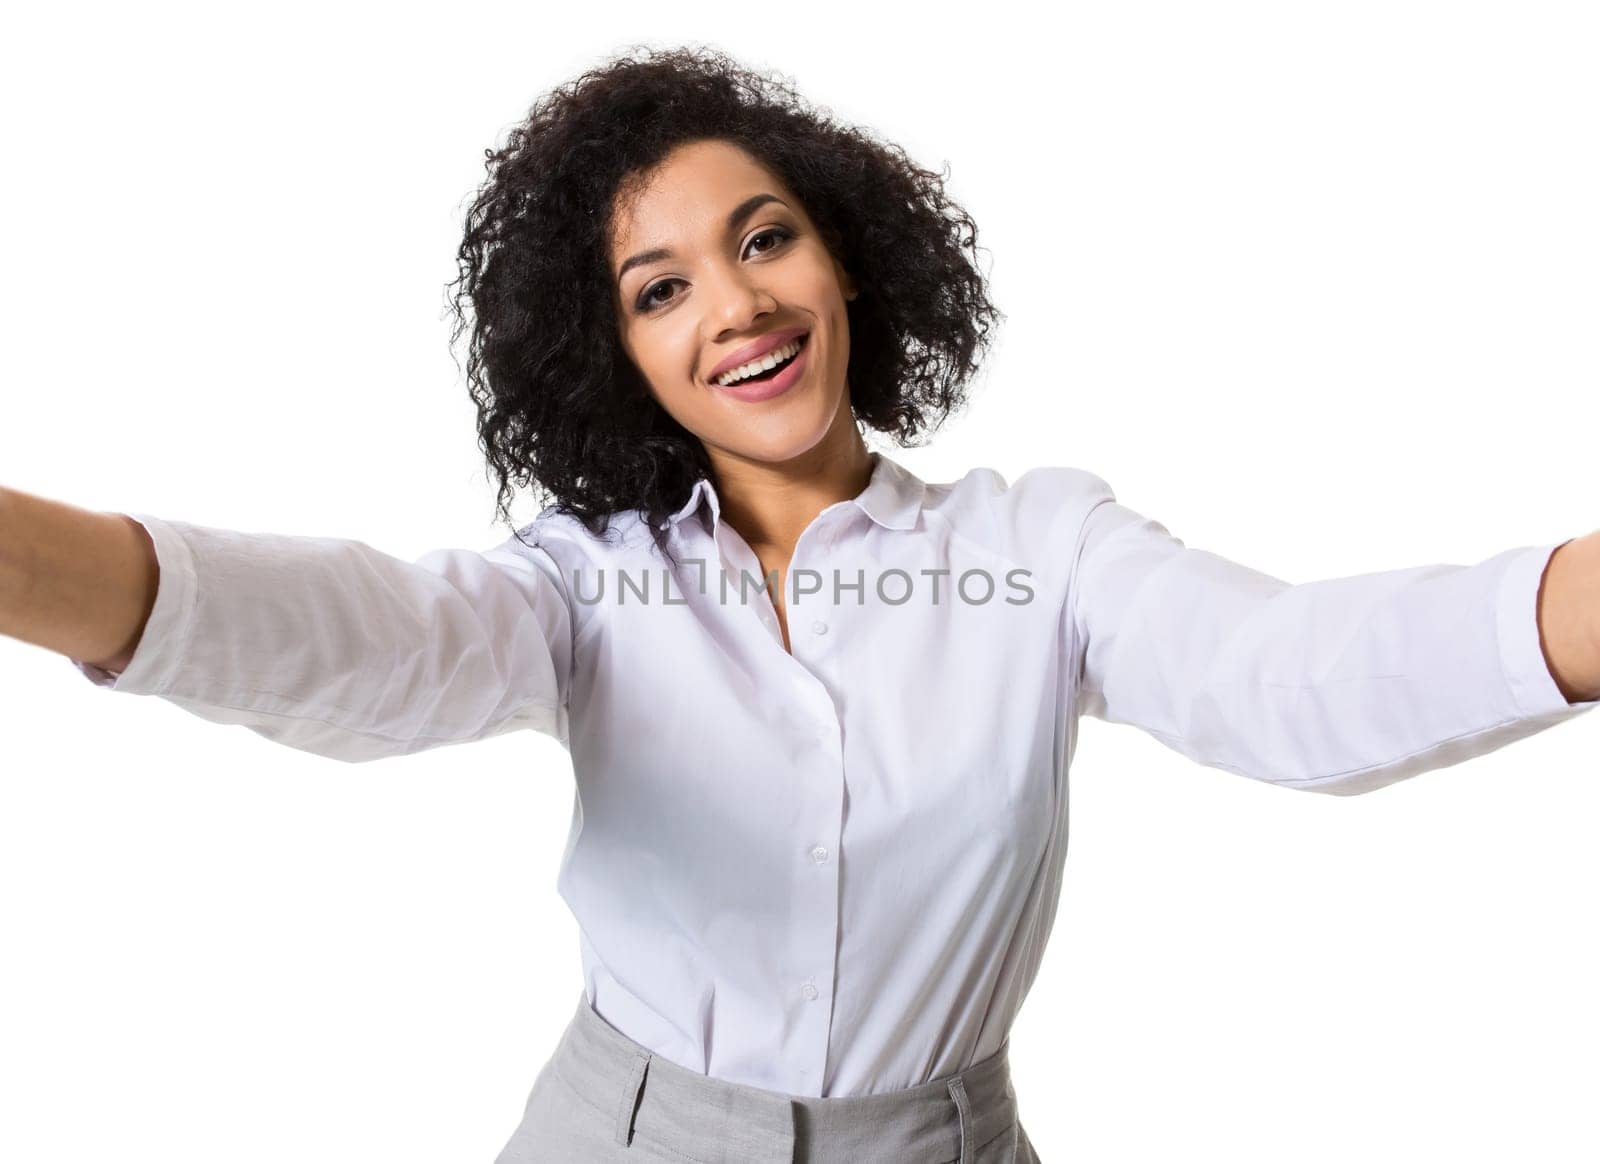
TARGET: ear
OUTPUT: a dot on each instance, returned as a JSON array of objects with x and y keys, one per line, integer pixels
[{"x": 846, "y": 282}]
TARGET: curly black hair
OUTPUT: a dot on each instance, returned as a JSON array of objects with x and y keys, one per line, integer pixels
[{"x": 561, "y": 406}]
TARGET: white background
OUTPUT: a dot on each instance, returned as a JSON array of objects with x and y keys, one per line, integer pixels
[{"x": 1315, "y": 285}]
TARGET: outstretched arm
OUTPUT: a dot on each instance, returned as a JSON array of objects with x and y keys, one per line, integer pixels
[
  {"x": 322, "y": 644},
  {"x": 1569, "y": 618},
  {"x": 1341, "y": 685},
  {"x": 73, "y": 580}
]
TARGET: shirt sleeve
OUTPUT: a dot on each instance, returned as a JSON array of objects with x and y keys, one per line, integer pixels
[
  {"x": 1340, "y": 686},
  {"x": 332, "y": 647}
]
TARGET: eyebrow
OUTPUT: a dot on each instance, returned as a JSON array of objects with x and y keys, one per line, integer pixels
[{"x": 740, "y": 212}]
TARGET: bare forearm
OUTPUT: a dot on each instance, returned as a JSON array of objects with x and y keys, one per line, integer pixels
[
  {"x": 1569, "y": 618},
  {"x": 73, "y": 580}
]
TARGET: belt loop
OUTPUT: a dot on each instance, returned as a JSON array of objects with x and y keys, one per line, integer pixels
[
  {"x": 628, "y": 1102},
  {"x": 958, "y": 1092}
]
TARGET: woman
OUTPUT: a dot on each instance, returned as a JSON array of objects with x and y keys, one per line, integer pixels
[{"x": 821, "y": 712}]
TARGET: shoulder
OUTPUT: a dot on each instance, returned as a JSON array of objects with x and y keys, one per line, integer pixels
[
  {"x": 1042, "y": 510},
  {"x": 558, "y": 548},
  {"x": 567, "y": 540}
]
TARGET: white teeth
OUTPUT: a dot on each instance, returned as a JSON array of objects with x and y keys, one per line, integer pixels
[{"x": 756, "y": 367}]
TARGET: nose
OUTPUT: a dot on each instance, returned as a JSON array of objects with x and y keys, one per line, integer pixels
[{"x": 738, "y": 300}]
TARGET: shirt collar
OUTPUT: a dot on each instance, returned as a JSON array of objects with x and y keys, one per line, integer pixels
[{"x": 892, "y": 498}]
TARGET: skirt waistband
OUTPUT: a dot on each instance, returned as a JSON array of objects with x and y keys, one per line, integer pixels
[{"x": 651, "y": 1099}]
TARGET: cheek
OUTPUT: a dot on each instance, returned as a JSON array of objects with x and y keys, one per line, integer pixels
[
  {"x": 822, "y": 285},
  {"x": 663, "y": 356}
]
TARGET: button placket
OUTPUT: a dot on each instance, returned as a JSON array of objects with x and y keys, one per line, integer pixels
[{"x": 816, "y": 714}]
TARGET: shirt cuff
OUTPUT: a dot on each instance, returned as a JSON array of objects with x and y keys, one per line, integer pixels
[
  {"x": 160, "y": 651},
  {"x": 1533, "y": 688}
]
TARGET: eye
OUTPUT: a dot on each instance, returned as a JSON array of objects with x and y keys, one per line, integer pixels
[
  {"x": 648, "y": 302},
  {"x": 776, "y": 232}
]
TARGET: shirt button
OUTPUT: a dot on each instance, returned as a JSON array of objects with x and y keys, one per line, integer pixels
[
  {"x": 819, "y": 854},
  {"x": 809, "y": 991},
  {"x": 819, "y": 627}
]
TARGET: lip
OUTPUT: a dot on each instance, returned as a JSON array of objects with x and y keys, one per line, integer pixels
[
  {"x": 767, "y": 343},
  {"x": 755, "y": 391}
]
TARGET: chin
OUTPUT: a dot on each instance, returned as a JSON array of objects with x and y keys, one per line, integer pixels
[{"x": 776, "y": 448}]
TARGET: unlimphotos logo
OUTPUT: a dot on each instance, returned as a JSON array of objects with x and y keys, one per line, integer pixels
[{"x": 892, "y": 587}]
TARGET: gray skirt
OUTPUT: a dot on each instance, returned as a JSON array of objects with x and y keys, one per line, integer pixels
[{"x": 602, "y": 1097}]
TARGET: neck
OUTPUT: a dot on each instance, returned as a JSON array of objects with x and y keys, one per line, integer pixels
[{"x": 771, "y": 503}]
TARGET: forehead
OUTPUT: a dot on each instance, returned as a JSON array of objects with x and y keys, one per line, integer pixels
[{"x": 691, "y": 189}]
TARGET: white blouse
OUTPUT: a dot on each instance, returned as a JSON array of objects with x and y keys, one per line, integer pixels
[{"x": 834, "y": 872}]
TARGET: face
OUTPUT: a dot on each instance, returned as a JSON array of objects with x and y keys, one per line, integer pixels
[{"x": 710, "y": 285}]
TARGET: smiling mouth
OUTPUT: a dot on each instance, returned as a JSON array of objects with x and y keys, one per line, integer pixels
[{"x": 770, "y": 372}]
